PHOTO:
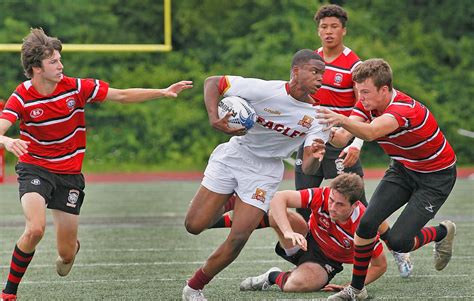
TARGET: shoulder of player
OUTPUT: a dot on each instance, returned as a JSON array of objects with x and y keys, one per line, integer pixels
[{"x": 401, "y": 101}]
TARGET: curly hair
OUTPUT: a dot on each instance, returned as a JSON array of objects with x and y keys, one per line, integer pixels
[
  {"x": 350, "y": 185},
  {"x": 331, "y": 10},
  {"x": 36, "y": 47}
]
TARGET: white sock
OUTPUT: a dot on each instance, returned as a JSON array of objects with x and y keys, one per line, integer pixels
[{"x": 292, "y": 251}]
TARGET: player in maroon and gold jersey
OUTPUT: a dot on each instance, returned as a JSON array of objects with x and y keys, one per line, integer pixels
[
  {"x": 421, "y": 175},
  {"x": 320, "y": 247},
  {"x": 50, "y": 107}
]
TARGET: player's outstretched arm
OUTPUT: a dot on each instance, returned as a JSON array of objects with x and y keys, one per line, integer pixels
[
  {"x": 379, "y": 127},
  {"x": 16, "y": 146},
  {"x": 134, "y": 95}
]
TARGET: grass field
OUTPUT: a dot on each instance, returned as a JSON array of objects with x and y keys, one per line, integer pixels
[{"x": 135, "y": 247}]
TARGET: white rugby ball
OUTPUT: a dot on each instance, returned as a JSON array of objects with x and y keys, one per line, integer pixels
[{"x": 243, "y": 114}]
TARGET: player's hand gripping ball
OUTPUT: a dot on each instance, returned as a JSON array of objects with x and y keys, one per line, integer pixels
[{"x": 243, "y": 114}]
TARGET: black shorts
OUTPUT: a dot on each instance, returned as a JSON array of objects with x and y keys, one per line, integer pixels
[
  {"x": 328, "y": 168},
  {"x": 313, "y": 254},
  {"x": 64, "y": 192}
]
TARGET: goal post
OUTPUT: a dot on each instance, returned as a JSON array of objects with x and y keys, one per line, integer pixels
[{"x": 165, "y": 47}]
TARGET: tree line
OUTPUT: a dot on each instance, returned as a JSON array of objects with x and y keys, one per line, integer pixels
[{"x": 427, "y": 43}]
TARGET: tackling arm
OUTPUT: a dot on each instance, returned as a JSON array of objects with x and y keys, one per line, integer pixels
[{"x": 379, "y": 127}]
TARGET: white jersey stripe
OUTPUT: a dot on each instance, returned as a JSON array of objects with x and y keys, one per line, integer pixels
[
  {"x": 77, "y": 152},
  {"x": 7, "y": 111},
  {"x": 413, "y": 146},
  {"x": 96, "y": 90},
  {"x": 336, "y": 89},
  {"x": 55, "y": 121},
  {"x": 81, "y": 129},
  {"x": 422, "y": 160},
  {"x": 335, "y": 69},
  {"x": 60, "y": 97}
]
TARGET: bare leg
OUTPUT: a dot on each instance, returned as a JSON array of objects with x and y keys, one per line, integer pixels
[
  {"x": 246, "y": 219},
  {"x": 66, "y": 234},
  {"x": 308, "y": 277},
  {"x": 34, "y": 209},
  {"x": 205, "y": 208}
]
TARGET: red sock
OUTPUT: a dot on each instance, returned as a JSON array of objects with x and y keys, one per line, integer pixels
[
  {"x": 427, "y": 235},
  {"x": 362, "y": 256},
  {"x": 18, "y": 265},
  {"x": 230, "y": 203},
  {"x": 199, "y": 280},
  {"x": 281, "y": 279}
]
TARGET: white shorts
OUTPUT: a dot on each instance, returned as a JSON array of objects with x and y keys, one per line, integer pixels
[{"x": 254, "y": 179}]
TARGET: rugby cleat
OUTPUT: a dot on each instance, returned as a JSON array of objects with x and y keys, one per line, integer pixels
[
  {"x": 258, "y": 283},
  {"x": 190, "y": 294},
  {"x": 443, "y": 249},
  {"x": 349, "y": 293},
  {"x": 405, "y": 267}
]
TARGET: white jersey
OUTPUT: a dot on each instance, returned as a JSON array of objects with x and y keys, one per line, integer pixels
[{"x": 283, "y": 122}]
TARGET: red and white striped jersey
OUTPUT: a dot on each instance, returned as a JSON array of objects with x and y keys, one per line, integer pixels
[
  {"x": 337, "y": 92},
  {"x": 418, "y": 143},
  {"x": 336, "y": 239},
  {"x": 54, "y": 124}
]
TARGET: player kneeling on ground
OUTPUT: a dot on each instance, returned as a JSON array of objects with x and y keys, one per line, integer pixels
[{"x": 320, "y": 252}]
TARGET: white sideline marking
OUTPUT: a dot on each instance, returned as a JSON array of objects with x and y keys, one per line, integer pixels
[{"x": 181, "y": 279}]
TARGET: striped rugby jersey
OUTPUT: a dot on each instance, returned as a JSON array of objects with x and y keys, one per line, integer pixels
[
  {"x": 418, "y": 143},
  {"x": 336, "y": 239},
  {"x": 54, "y": 124},
  {"x": 337, "y": 92}
]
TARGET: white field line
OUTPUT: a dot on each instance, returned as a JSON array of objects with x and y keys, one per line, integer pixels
[
  {"x": 181, "y": 279},
  {"x": 169, "y": 263}
]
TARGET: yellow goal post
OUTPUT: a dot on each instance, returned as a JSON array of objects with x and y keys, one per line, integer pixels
[{"x": 116, "y": 47}]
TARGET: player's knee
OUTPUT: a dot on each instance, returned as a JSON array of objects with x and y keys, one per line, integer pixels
[
  {"x": 237, "y": 242},
  {"x": 192, "y": 226},
  {"x": 367, "y": 228},
  {"x": 34, "y": 233},
  {"x": 399, "y": 243}
]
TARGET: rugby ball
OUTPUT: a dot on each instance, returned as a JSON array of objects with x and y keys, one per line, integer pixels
[{"x": 243, "y": 114}]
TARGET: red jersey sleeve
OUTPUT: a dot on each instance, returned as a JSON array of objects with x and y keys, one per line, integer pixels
[
  {"x": 94, "y": 90},
  {"x": 311, "y": 198},
  {"x": 13, "y": 109}
]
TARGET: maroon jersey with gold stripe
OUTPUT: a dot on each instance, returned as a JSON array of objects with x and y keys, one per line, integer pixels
[
  {"x": 336, "y": 92},
  {"x": 54, "y": 124},
  {"x": 418, "y": 143},
  {"x": 336, "y": 239}
]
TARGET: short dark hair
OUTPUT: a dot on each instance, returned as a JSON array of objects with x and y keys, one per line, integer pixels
[
  {"x": 350, "y": 185},
  {"x": 331, "y": 10},
  {"x": 36, "y": 47},
  {"x": 303, "y": 56},
  {"x": 376, "y": 69}
]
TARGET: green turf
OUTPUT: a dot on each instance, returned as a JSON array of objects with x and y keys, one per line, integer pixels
[{"x": 135, "y": 247}]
